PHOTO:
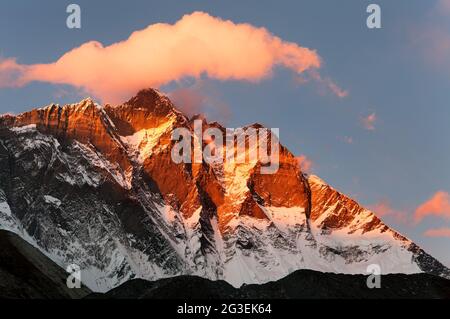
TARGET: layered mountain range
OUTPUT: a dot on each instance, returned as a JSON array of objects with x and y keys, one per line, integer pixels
[{"x": 96, "y": 186}]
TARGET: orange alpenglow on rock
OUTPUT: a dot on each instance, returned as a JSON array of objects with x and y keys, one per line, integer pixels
[{"x": 106, "y": 175}]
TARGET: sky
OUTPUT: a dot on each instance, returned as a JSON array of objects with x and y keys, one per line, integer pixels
[{"x": 365, "y": 109}]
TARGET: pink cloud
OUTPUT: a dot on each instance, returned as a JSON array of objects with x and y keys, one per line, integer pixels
[
  {"x": 369, "y": 121},
  {"x": 438, "y": 205},
  {"x": 437, "y": 232},
  {"x": 431, "y": 37},
  {"x": 434, "y": 42},
  {"x": 198, "y": 44},
  {"x": 305, "y": 163},
  {"x": 443, "y": 7},
  {"x": 11, "y": 73},
  {"x": 384, "y": 209},
  {"x": 201, "y": 98},
  {"x": 188, "y": 100},
  {"x": 335, "y": 88},
  {"x": 325, "y": 83}
]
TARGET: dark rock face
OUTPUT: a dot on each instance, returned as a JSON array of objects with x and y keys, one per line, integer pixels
[
  {"x": 96, "y": 186},
  {"x": 26, "y": 273},
  {"x": 302, "y": 284}
]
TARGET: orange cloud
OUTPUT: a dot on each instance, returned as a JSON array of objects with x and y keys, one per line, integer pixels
[
  {"x": 369, "y": 122},
  {"x": 335, "y": 88},
  {"x": 198, "y": 44},
  {"x": 327, "y": 83},
  {"x": 305, "y": 163},
  {"x": 437, "y": 232},
  {"x": 438, "y": 205},
  {"x": 384, "y": 209}
]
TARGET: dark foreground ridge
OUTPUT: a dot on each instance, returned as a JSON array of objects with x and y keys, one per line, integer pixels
[
  {"x": 302, "y": 284},
  {"x": 26, "y": 273}
]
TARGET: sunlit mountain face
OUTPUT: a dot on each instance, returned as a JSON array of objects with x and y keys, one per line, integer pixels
[{"x": 97, "y": 186}]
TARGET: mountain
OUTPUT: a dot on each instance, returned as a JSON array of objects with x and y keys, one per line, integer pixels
[
  {"x": 26, "y": 273},
  {"x": 314, "y": 285},
  {"x": 96, "y": 186}
]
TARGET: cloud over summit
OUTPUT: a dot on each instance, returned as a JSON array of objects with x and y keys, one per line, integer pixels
[{"x": 198, "y": 44}]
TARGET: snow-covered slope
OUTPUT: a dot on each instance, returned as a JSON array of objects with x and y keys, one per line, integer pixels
[{"x": 96, "y": 186}]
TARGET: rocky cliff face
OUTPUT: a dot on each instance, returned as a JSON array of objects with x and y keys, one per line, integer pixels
[{"x": 97, "y": 186}]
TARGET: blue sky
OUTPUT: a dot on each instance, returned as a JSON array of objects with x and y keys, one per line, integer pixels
[{"x": 400, "y": 73}]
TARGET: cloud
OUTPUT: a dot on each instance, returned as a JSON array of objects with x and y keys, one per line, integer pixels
[
  {"x": 305, "y": 163},
  {"x": 369, "y": 121},
  {"x": 197, "y": 45},
  {"x": 438, "y": 205},
  {"x": 434, "y": 42},
  {"x": 201, "y": 98},
  {"x": 11, "y": 73},
  {"x": 325, "y": 83},
  {"x": 442, "y": 7},
  {"x": 384, "y": 209},
  {"x": 431, "y": 37},
  {"x": 437, "y": 232},
  {"x": 188, "y": 100},
  {"x": 335, "y": 88}
]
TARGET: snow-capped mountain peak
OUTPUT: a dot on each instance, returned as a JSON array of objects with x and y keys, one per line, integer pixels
[{"x": 96, "y": 186}]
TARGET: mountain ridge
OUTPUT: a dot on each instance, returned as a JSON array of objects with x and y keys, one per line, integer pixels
[
  {"x": 301, "y": 284},
  {"x": 123, "y": 209}
]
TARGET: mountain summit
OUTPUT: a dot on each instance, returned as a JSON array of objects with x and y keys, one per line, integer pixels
[{"x": 96, "y": 186}]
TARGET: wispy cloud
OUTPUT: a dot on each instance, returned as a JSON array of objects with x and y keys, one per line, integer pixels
[
  {"x": 437, "y": 232},
  {"x": 369, "y": 121},
  {"x": 198, "y": 44},
  {"x": 384, "y": 209},
  {"x": 327, "y": 84},
  {"x": 442, "y": 7},
  {"x": 431, "y": 37},
  {"x": 305, "y": 163},
  {"x": 11, "y": 73},
  {"x": 437, "y": 205},
  {"x": 335, "y": 88},
  {"x": 201, "y": 98}
]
